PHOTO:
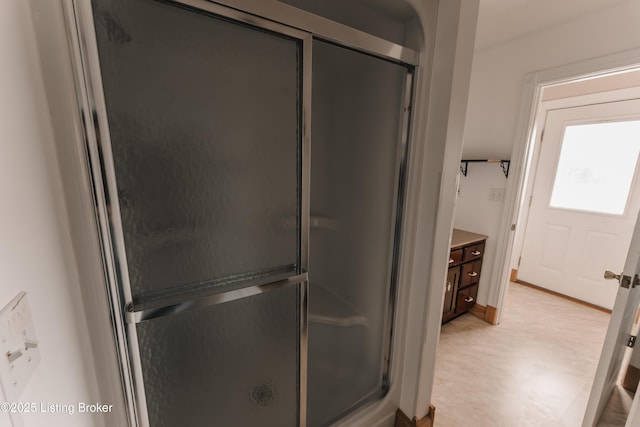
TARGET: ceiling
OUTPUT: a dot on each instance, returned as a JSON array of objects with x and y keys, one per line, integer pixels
[{"x": 503, "y": 20}]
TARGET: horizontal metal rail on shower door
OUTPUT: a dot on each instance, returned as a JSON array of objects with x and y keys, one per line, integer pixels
[{"x": 137, "y": 316}]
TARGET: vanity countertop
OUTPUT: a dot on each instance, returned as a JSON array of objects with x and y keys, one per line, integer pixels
[{"x": 462, "y": 238}]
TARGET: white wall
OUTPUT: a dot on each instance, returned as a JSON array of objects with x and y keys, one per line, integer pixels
[
  {"x": 35, "y": 251},
  {"x": 433, "y": 191},
  {"x": 496, "y": 84},
  {"x": 473, "y": 192}
]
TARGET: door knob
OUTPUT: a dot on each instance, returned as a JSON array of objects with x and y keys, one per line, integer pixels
[{"x": 610, "y": 275}]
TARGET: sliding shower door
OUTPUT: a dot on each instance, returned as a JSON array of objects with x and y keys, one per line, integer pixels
[
  {"x": 360, "y": 118},
  {"x": 206, "y": 198},
  {"x": 229, "y": 242}
]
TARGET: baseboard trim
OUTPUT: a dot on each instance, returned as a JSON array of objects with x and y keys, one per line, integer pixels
[
  {"x": 514, "y": 275},
  {"x": 478, "y": 310},
  {"x": 567, "y": 297},
  {"x": 403, "y": 420},
  {"x": 487, "y": 313},
  {"x": 491, "y": 315}
]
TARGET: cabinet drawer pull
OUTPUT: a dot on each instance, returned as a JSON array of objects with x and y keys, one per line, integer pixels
[
  {"x": 468, "y": 299},
  {"x": 472, "y": 274},
  {"x": 475, "y": 253},
  {"x": 450, "y": 260}
]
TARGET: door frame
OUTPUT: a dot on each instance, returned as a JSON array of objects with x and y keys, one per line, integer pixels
[{"x": 528, "y": 134}]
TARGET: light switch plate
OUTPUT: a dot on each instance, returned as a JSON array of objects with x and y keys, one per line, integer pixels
[
  {"x": 19, "y": 353},
  {"x": 496, "y": 195}
]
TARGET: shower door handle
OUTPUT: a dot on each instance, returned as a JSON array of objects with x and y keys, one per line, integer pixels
[{"x": 257, "y": 287}]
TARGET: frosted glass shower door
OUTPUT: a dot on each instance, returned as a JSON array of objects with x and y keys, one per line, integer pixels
[
  {"x": 204, "y": 171},
  {"x": 360, "y": 117}
]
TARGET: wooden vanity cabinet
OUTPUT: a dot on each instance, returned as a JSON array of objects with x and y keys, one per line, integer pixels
[
  {"x": 449, "y": 306},
  {"x": 465, "y": 266}
]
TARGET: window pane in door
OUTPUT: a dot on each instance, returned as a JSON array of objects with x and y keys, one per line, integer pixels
[
  {"x": 205, "y": 132},
  {"x": 596, "y": 167}
]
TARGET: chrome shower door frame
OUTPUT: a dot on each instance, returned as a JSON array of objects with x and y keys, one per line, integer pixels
[
  {"x": 396, "y": 226},
  {"x": 92, "y": 107},
  {"x": 274, "y": 17}
]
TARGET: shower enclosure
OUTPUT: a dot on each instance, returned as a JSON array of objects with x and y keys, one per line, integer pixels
[{"x": 250, "y": 175}]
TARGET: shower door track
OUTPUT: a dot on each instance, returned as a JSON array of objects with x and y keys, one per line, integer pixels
[{"x": 321, "y": 28}]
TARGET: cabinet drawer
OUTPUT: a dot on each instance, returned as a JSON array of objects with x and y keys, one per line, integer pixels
[
  {"x": 466, "y": 298},
  {"x": 455, "y": 257},
  {"x": 473, "y": 252},
  {"x": 470, "y": 273}
]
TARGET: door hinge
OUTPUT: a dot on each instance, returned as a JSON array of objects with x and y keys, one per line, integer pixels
[
  {"x": 542, "y": 134},
  {"x": 519, "y": 261},
  {"x": 632, "y": 341},
  {"x": 513, "y": 227}
]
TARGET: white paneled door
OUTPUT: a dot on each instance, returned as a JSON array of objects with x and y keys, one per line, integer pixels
[
  {"x": 585, "y": 200},
  {"x": 623, "y": 314}
]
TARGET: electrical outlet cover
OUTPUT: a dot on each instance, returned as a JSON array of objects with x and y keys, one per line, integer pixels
[{"x": 496, "y": 194}]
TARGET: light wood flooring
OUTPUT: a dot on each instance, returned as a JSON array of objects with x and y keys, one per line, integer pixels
[{"x": 535, "y": 369}]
